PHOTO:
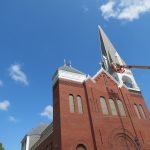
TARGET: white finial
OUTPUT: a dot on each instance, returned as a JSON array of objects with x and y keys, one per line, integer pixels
[
  {"x": 67, "y": 63},
  {"x": 70, "y": 63},
  {"x": 64, "y": 62}
]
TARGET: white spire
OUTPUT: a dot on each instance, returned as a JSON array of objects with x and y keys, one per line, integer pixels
[
  {"x": 109, "y": 56},
  {"x": 108, "y": 50}
]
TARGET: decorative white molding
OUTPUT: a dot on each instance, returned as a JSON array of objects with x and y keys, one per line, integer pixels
[
  {"x": 120, "y": 84},
  {"x": 102, "y": 70},
  {"x": 69, "y": 76},
  {"x": 128, "y": 74}
]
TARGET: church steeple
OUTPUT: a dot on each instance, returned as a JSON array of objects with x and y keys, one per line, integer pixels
[
  {"x": 109, "y": 56},
  {"x": 108, "y": 50}
]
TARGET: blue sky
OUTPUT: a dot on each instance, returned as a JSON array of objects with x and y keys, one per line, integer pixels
[{"x": 36, "y": 36}]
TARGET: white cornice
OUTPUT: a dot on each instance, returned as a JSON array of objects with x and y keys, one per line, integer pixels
[{"x": 61, "y": 74}]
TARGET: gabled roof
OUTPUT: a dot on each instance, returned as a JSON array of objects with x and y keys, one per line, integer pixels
[
  {"x": 47, "y": 132},
  {"x": 38, "y": 130},
  {"x": 107, "y": 73}
]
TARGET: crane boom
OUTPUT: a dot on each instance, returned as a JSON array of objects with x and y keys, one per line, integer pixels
[
  {"x": 121, "y": 68},
  {"x": 139, "y": 67}
]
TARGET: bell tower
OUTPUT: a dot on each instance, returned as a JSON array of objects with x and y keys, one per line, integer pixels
[{"x": 109, "y": 56}]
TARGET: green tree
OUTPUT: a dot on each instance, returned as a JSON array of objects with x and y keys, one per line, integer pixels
[{"x": 1, "y": 146}]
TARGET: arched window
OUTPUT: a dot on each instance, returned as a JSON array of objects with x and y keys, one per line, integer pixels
[
  {"x": 127, "y": 81},
  {"x": 81, "y": 147},
  {"x": 113, "y": 107},
  {"x": 71, "y": 103},
  {"x": 79, "y": 101},
  {"x": 121, "y": 108},
  {"x": 103, "y": 106},
  {"x": 137, "y": 111},
  {"x": 142, "y": 111}
]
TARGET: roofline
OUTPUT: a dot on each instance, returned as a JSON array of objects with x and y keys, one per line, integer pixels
[
  {"x": 24, "y": 138},
  {"x": 103, "y": 70},
  {"x": 56, "y": 72},
  {"x": 119, "y": 84}
]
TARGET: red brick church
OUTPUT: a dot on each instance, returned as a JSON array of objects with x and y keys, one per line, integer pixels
[{"x": 103, "y": 112}]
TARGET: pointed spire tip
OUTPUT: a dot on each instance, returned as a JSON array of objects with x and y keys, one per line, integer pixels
[{"x": 100, "y": 28}]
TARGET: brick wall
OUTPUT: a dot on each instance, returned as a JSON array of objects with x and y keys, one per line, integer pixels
[{"x": 92, "y": 128}]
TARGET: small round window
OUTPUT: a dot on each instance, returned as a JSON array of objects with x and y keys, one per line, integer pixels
[{"x": 81, "y": 147}]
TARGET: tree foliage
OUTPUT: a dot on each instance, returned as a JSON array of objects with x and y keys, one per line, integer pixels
[{"x": 1, "y": 146}]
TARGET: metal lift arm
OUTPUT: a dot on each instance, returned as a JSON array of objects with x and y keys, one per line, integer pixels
[{"x": 121, "y": 68}]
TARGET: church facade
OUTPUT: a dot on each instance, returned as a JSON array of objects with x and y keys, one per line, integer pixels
[{"x": 103, "y": 112}]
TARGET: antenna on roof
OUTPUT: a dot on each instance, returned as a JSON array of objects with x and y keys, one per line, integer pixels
[
  {"x": 67, "y": 63},
  {"x": 64, "y": 62},
  {"x": 70, "y": 63}
]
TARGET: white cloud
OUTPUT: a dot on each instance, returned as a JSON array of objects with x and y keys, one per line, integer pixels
[
  {"x": 85, "y": 9},
  {"x": 125, "y": 9},
  {"x": 1, "y": 83},
  {"x": 16, "y": 73},
  {"x": 4, "y": 105},
  {"x": 12, "y": 119},
  {"x": 48, "y": 112},
  {"x": 107, "y": 9}
]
